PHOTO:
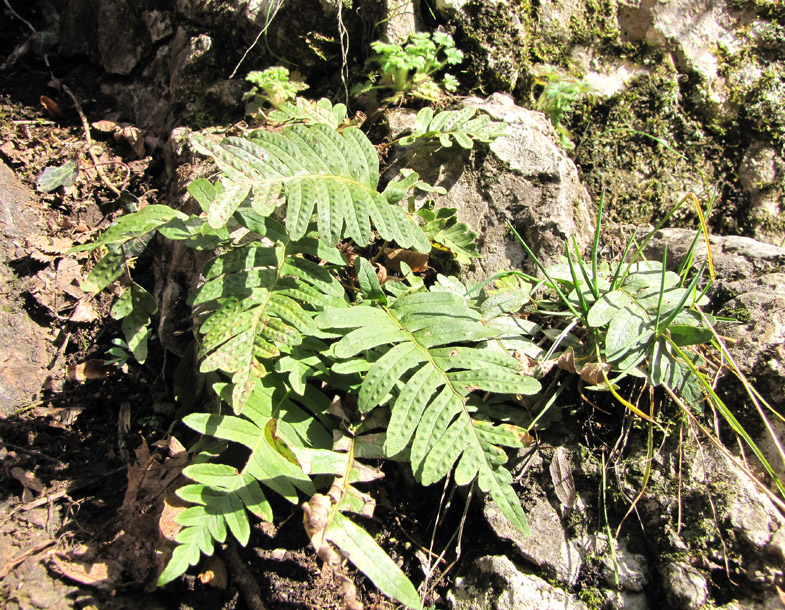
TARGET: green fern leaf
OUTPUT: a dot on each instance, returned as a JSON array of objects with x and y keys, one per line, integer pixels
[
  {"x": 309, "y": 112},
  {"x": 442, "y": 227},
  {"x": 265, "y": 464},
  {"x": 428, "y": 332},
  {"x": 317, "y": 170},
  {"x": 254, "y": 299},
  {"x": 458, "y": 125}
]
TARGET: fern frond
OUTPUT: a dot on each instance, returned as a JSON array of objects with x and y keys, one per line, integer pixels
[
  {"x": 459, "y": 125},
  {"x": 442, "y": 228},
  {"x": 427, "y": 333},
  {"x": 221, "y": 495},
  {"x": 309, "y": 112},
  {"x": 253, "y": 298},
  {"x": 316, "y": 170}
]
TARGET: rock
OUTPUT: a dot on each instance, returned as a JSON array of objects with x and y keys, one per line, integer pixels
[
  {"x": 26, "y": 347},
  {"x": 494, "y": 35},
  {"x": 526, "y": 179},
  {"x": 495, "y": 583},
  {"x": 547, "y": 544},
  {"x": 630, "y": 572},
  {"x": 403, "y": 19},
  {"x": 692, "y": 30},
  {"x": 761, "y": 173},
  {"x": 685, "y": 587},
  {"x": 734, "y": 257},
  {"x": 623, "y": 600}
]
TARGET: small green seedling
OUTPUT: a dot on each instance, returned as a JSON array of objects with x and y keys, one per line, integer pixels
[
  {"x": 272, "y": 86},
  {"x": 118, "y": 354},
  {"x": 560, "y": 92},
  {"x": 409, "y": 71}
]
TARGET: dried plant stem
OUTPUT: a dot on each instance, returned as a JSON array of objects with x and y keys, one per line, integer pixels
[
  {"x": 89, "y": 140},
  {"x": 243, "y": 578}
]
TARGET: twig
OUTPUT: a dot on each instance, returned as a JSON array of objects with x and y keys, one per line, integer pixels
[
  {"x": 243, "y": 578},
  {"x": 86, "y": 127},
  {"x": 11, "y": 564},
  {"x": 18, "y": 16},
  {"x": 78, "y": 486},
  {"x": 30, "y": 452}
]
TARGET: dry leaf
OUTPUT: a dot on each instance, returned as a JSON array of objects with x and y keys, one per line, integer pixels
[
  {"x": 395, "y": 256},
  {"x": 86, "y": 573},
  {"x": 91, "y": 369},
  {"x": 561, "y": 475},
  {"x": 45, "y": 248},
  {"x": 105, "y": 126},
  {"x": 590, "y": 372},
  {"x": 52, "y": 109},
  {"x": 316, "y": 513},
  {"x": 84, "y": 312},
  {"x": 29, "y": 483},
  {"x": 134, "y": 137},
  {"x": 214, "y": 573}
]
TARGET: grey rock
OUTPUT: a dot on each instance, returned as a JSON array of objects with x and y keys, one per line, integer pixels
[
  {"x": 547, "y": 544},
  {"x": 159, "y": 24},
  {"x": 685, "y": 586},
  {"x": 25, "y": 347},
  {"x": 759, "y": 342},
  {"x": 734, "y": 257},
  {"x": 526, "y": 180},
  {"x": 402, "y": 21},
  {"x": 630, "y": 572},
  {"x": 624, "y": 600},
  {"x": 496, "y": 584},
  {"x": 691, "y": 30},
  {"x": 761, "y": 172}
]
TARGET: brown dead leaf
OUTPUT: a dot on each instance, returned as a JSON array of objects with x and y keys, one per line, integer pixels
[
  {"x": 52, "y": 109},
  {"x": 214, "y": 573},
  {"x": 105, "y": 126},
  {"x": 168, "y": 528},
  {"x": 561, "y": 476},
  {"x": 590, "y": 372},
  {"x": 134, "y": 137},
  {"x": 91, "y": 369},
  {"x": 29, "y": 483},
  {"x": 93, "y": 574},
  {"x": 84, "y": 312},
  {"x": 316, "y": 514},
  {"x": 395, "y": 256},
  {"x": 45, "y": 248}
]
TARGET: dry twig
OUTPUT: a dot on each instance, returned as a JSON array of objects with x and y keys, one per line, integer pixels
[{"x": 89, "y": 140}]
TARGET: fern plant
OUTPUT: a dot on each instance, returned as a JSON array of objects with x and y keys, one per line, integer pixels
[{"x": 275, "y": 329}]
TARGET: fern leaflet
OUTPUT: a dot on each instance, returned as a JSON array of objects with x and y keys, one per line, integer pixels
[
  {"x": 252, "y": 304},
  {"x": 459, "y": 125},
  {"x": 426, "y": 376},
  {"x": 314, "y": 169}
]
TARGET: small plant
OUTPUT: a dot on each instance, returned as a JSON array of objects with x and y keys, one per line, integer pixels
[
  {"x": 310, "y": 379},
  {"x": 459, "y": 125},
  {"x": 272, "y": 86},
  {"x": 560, "y": 91},
  {"x": 409, "y": 71},
  {"x": 634, "y": 318},
  {"x": 119, "y": 354}
]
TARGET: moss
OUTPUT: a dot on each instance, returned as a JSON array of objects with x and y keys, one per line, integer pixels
[
  {"x": 496, "y": 51},
  {"x": 646, "y": 150},
  {"x": 592, "y": 597},
  {"x": 739, "y": 312}
]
